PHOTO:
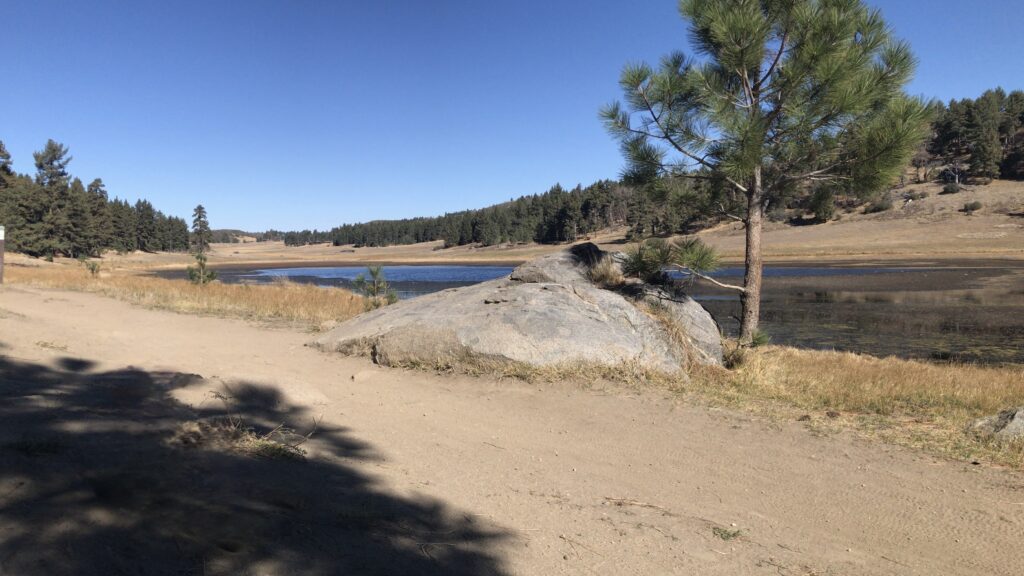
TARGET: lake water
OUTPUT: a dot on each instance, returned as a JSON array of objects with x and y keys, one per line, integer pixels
[
  {"x": 968, "y": 313},
  {"x": 407, "y": 281}
]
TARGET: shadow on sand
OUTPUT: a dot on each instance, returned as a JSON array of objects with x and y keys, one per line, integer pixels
[{"x": 95, "y": 478}]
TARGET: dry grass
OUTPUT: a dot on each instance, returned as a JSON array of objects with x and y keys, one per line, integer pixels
[
  {"x": 673, "y": 329},
  {"x": 227, "y": 434},
  {"x": 606, "y": 273},
  {"x": 281, "y": 301},
  {"x": 916, "y": 404}
]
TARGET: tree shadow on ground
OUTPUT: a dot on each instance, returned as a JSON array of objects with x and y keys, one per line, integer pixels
[{"x": 107, "y": 473}]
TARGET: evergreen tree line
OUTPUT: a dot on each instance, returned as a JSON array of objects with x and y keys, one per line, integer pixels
[
  {"x": 231, "y": 236},
  {"x": 978, "y": 138},
  {"x": 556, "y": 216},
  {"x": 53, "y": 214}
]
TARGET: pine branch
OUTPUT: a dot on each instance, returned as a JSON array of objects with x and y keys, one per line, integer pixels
[{"x": 707, "y": 278}]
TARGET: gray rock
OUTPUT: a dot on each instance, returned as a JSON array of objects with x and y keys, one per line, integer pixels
[
  {"x": 547, "y": 312},
  {"x": 1007, "y": 425}
]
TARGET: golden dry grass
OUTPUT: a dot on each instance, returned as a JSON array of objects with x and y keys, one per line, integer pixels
[
  {"x": 819, "y": 380},
  {"x": 280, "y": 301},
  {"x": 606, "y": 273},
  {"x": 917, "y": 404}
]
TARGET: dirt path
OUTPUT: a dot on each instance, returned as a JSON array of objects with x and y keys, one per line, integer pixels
[{"x": 417, "y": 473}]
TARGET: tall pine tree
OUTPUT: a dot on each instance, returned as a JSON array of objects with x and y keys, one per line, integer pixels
[
  {"x": 787, "y": 94},
  {"x": 201, "y": 234}
]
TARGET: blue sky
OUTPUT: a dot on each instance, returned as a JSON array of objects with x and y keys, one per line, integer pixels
[{"x": 295, "y": 114}]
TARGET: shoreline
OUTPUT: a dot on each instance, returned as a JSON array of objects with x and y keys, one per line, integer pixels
[{"x": 911, "y": 261}]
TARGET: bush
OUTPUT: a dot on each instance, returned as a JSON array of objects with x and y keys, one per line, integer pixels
[
  {"x": 92, "y": 266},
  {"x": 881, "y": 205},
  {"x": 915, "y": 195},
  {"x": 972, "y": 207},
  {"x": 377, "y": 290},
  {"x": 823, "y": 204},
  {"x": 951, "y": 188}
]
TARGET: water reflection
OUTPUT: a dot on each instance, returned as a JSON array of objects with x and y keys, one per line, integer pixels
[
  {"x": 963, "y": 325},
  {"x": 406, "y": 281}
]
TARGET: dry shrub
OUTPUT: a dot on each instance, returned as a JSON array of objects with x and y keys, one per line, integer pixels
[
  {"x": 228, "y": 435},
  {"x": 288, "y": 301},
  {"x": 606, "y": 272}
]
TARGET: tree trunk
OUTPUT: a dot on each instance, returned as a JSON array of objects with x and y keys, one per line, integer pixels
[{"x": 751, "y": 297}]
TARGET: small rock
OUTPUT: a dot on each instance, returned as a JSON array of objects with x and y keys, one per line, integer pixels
[
  {"x": 1007, "y": 425},
  {"x": 832, "y": 414}
]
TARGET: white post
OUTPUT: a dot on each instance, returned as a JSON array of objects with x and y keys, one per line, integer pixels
[{"x": 1, "y": 254}]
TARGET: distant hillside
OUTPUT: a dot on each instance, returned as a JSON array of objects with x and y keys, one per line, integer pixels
[{"x": 230, "y": 236}]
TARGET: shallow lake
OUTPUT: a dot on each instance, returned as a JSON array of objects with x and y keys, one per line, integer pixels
[
  {"x": 970, "y": 312},
  {"x": 407, "y": 281}
]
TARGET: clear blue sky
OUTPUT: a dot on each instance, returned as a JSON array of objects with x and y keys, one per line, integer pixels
[{"x": 293, "y": 114}]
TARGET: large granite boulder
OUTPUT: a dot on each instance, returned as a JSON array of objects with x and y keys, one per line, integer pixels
[{"x": 547, "y": 312}]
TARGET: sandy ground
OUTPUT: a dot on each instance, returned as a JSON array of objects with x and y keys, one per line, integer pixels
[{"x": 414, "y": 473}]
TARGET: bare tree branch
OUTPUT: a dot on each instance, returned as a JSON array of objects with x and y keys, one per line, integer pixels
[{"x": 707, "y": 278}]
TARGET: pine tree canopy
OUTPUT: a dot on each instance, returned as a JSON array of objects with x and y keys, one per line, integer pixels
[
  {"x": 51, "y": 164},
  {"x": 54, "y": 214},
  {"x": 780, "y": 97},
  {"x": 803, "y": 90}
]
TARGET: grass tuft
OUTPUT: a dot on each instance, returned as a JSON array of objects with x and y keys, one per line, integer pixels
[
  {"x": 230, "y": 434},
  {"x": 726, "y": 534},
  {"x": 606, "y": 273}
]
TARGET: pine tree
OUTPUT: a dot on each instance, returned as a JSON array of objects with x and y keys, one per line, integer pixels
[
  {"x": 6, "y": 172},
  {"x": 100, "y": 234},
  {"x": 146, "y": 237},
  {"x": 122, "y": 218},
  {"x": 51, "y": 165},
  {"x": 77, "y": 219},
  {"x": 790, "y": 93},
  {"x": 50, "y": 233},
  {"x": 201, "y": 234},
  {"x": 983, "y": 127}
]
